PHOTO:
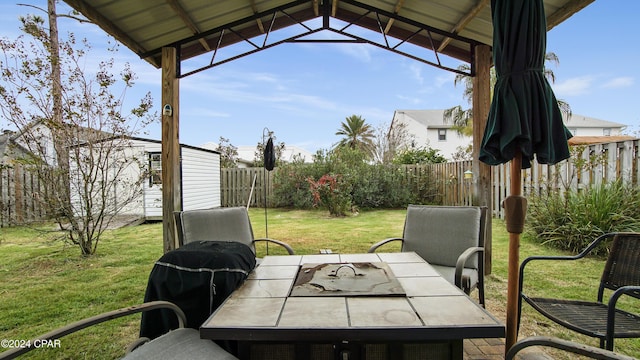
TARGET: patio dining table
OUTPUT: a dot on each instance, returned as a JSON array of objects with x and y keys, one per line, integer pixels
[{"x": 349, "y": 306}]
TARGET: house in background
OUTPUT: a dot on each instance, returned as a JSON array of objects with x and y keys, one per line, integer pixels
[
  {"x": 247, "y": 154},
  {"x": 588, "y": 130},
  {"x": 10, "y": 150},
  {"x": 427, "y": 128}
]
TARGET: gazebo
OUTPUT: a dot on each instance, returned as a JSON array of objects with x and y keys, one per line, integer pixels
[{"x": 168, "y": 34}]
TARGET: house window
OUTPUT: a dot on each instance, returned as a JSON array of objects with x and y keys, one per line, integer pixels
[
  {"x": 155, "y": 168},
  {"x": 442, "y": 134},
  {"x": 606, "y": 131}
]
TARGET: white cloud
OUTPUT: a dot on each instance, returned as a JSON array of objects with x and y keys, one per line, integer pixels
[
  {"x": 410, "y": 100},
  {"x": 361, "y": 52},
  {"x": 575, "y": 86},
  {"x": 618, "y": 82},
  {"x": 446, "y": 79},
  {"x": 416, "y": 70}
]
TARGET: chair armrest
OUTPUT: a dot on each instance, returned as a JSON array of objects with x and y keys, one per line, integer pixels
[
  {"x": 462, "y": 260},
  {"x": 85, "y": 323},
  {"x": 278, "y": 242},
  {"x": 375, "y": 246},
  {"x": 582, "y": 254},
  {"x": 570, "y": 346},
  {"x": 611, "y": 308},
  {"x": 526, "y": 261}
]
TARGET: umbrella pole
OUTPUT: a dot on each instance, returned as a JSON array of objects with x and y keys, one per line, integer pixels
[{"x": 514, "y": 255}]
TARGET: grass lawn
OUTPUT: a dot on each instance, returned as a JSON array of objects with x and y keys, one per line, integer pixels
[{"x": 46, "y": 284}]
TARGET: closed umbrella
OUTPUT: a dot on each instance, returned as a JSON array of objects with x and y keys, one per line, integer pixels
[
  {"x": 524, "y": 119},
  {"x": 269, "y": 155}
]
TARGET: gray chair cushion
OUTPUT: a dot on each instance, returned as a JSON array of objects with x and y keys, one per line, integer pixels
[
  {"x": 180, "y": 344},
  {"x": 449, "y": 273},
  {"x": 218, "y": 224},
  {"x": 439, "y": 234}
]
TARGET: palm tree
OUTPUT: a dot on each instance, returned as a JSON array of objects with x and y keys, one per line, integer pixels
[
  {"x": 462, "y": 119},
  {"x": 357, "y": 134}
]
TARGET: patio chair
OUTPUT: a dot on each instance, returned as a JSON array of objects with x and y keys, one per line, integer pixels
[
  {"x": 564, "y": 345},
  {"x": 181, "y": 343},
  {"x": 219, "y": 224},
  {"x": 451, "y": 239},
  {"x": 604, "y": 321}
]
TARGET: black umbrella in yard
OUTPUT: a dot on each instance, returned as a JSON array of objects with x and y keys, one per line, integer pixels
[
  {"x": 269, "y": 155},
  {"x": 524, "y": 119}
]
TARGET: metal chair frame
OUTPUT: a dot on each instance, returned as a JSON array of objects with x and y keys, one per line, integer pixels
[{"x": 595, "y": 318}]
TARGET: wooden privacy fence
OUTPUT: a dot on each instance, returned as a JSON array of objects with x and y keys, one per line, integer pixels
[
  {"x": 20, "y": 197},
  {"x": 589, "y": 165},
  {"x": 242, "y": 186},
  {"x": 20, "y": 190}
]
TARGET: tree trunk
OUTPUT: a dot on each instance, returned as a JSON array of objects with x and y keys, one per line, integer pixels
[{"x": 56, "y": 125}]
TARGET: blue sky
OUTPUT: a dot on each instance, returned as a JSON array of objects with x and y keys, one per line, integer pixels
[{"x": 302, "y": 92}]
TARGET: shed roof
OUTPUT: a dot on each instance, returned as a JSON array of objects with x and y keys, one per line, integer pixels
[{"x": 197, "y": 27}]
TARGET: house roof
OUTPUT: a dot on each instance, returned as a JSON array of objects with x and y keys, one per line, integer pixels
[
  {"x": 246, "y": 153},
  {"x": 586, "y": 140},
  {"x": 8, "y": 146},
  {"x": 196, "y": 27},
  {"x": 152, "y": 141},
  {"x": 433, "y": 119},
  {"x": 581, "y": 121}
]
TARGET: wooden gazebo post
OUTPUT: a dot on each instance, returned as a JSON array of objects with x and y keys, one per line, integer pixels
[
  {"x": 171, "y": 192},
  {"x": 482, "y": 172}
]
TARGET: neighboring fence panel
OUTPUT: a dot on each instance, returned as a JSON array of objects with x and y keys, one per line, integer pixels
[
  {"x": 242, "y": 186},
  {"x": 589, "y": 165},
  {"x": 20, "y": 197}
]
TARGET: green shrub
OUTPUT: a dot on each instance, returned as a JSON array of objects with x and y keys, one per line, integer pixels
[
  {"x": 290, "y": 186},
  {"x": 367, "y": 186},
  {"x": 333, "y": 192},
  {"x": 572, "y": 220}
]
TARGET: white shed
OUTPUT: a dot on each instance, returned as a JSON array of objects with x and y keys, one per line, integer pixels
[{"x": 200, "y": 179}]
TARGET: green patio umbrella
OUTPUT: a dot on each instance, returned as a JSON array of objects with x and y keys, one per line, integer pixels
[{"x": 524, "y": 119}]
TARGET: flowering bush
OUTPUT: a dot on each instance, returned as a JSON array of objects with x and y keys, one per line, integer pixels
[{"x": 333, "y": 192}]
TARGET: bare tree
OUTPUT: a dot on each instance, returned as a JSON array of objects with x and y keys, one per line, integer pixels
[
  {"x": 77, "y": 131},
  {"x": 389, "y": 139},
  {"x": 228, "y": 153},
  {"x": 278, "y": 149}
]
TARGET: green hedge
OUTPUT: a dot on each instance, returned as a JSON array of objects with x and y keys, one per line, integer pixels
[{"x": 367, "y": 186}]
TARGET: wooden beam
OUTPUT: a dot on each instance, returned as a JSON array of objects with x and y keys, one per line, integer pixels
[
  {"x": 171, "y": 190},
  {"x": 481, "y": 103},
  {"x": 565, "y": 12},
  {"x": 186, "y": 19},
  {"x": 464, "y": 21},
  {"x": 110, "y": 28},
  {"x": 334, "y": 8},
  {"x": 316, "y": 7},
  {"x": 258, "y": 21},
  {"x": 396, "y": 10}
]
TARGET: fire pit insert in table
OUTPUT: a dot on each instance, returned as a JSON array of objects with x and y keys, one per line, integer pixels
[{"x": 346, "y": 279}]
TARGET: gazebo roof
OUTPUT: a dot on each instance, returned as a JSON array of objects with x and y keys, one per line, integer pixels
[{"x": 197, "y": 27}]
